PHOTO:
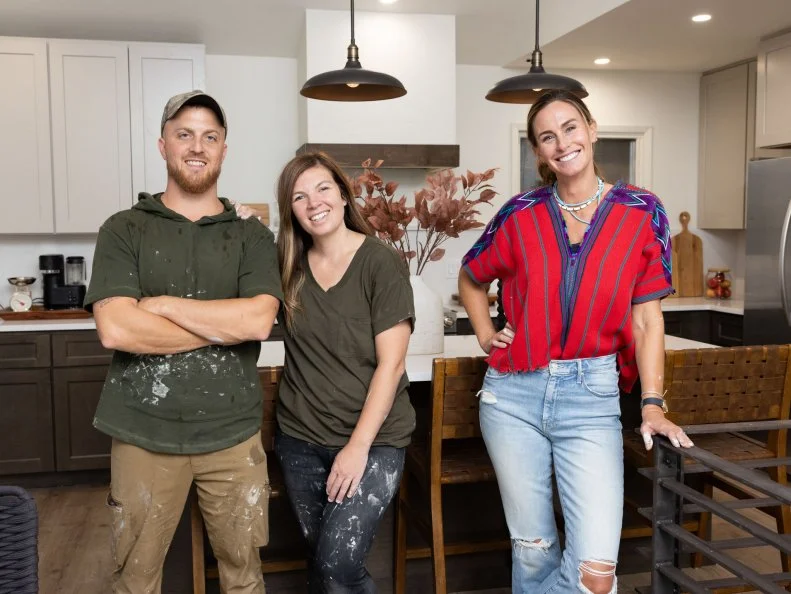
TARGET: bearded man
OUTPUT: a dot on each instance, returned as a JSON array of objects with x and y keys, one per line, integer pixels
[{"x": 183, "y": 291}]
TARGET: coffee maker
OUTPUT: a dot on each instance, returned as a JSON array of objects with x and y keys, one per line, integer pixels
[{"x": 64, "y": 284}]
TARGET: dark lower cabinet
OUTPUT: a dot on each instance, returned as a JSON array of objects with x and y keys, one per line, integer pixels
[
  {"x": 47, "y": 402},
  {"x": 26, "y": 443},
  {"x": 76, "y": 392},
  {"x": 712, "y": 327}
]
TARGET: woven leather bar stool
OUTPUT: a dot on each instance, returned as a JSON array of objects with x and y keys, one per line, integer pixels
[
  {"x": 452, "y": 453},
  {"x": 18, "y": 542},
  {"x": 722, "y": 386}
]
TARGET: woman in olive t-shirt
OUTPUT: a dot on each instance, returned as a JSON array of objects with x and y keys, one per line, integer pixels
[{"x": 343, "y": 412}]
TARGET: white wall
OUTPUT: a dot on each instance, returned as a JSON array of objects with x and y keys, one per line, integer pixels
[
  {"x": 666, "y": 101},
  {"x": 257, "y": 95},
  {"x": 418, "y": 49}
]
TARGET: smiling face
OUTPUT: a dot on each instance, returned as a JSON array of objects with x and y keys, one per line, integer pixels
[
  {"x": 564, "y": 139},
  {"x": 193, "y": 146},
  {"x": 317, "y": 202}
]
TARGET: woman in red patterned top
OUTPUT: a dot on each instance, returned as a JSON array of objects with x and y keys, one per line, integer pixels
[{"x": 583, "y": 265}]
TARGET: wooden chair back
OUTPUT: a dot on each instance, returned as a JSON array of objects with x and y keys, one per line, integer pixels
[
  {"x": 748, "y": 383},
  {"x": 454, "y": 406},
  {"x": 269, "y": 377}
]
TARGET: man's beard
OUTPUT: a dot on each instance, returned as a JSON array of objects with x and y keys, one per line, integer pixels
[{"x": 194, "y": 184}]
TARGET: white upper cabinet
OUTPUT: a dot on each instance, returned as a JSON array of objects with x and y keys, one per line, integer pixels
[
  {"x": 723, "y": 148},
  {"x": 773, "y": 94},
  {"x": 25, "y": 163},
  {"x": 89, "y": 90},
  {"x": 157, "y": 71}
]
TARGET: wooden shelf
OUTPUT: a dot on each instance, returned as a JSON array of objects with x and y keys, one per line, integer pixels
[{"x": 395, "y": 156}]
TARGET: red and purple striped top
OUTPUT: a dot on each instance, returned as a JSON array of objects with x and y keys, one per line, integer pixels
[{"x": 567, "y": 304}]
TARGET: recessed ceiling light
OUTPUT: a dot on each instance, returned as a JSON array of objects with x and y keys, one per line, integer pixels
[
  {"x": 601, "y": 61},
  {"x": 388, "y": 1},
  {"x": 701, "y": 18}
]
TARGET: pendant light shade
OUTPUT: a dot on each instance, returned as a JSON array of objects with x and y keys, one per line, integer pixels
[
  {"x": 527, "y": 88},
  {"x": 352, "y": 82}
]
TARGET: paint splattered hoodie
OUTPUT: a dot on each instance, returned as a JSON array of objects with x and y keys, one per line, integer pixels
[{"x": 202, "y": 400}]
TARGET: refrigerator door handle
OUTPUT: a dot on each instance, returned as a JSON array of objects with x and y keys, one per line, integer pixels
[{"x": 782, "y": 263}]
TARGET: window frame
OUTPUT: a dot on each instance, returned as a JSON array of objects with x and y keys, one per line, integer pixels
[{"x": 643, "y": 151}]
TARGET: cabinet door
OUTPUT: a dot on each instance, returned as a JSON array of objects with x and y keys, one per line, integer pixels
[
  {"x": 23, "y": 350},
  {"x": 773, "y": 93},
  {"x": 26, "y": 168},
  {"x": 157, "y": 71},
  {"x": 727, "y": 329},
  {"x": 79, "y": 349},
  {"x": 723, "y": 148},
  {"x": 76, "y": 393},
  {"x": 89, "y": 84},
  {"x": 26, "y": 421}
]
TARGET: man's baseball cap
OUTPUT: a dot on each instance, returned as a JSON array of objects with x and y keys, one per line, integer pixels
[{"x": 195, "y": 97}]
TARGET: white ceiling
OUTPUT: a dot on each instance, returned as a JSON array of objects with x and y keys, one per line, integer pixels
[
  {"x": 635, "y": 34},
  {"x": 659, "y": 35}
]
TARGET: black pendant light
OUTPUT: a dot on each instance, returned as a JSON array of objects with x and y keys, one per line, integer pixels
[
  {"x": 527, "y": 88},
  {"x": 353, "y": 82}
]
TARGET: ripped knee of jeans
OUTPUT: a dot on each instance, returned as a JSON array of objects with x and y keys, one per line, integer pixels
[
  {"x": 486, "y": 397},
  {"x": 537, "y": 544},
  {"x": 598, "y": 577}
]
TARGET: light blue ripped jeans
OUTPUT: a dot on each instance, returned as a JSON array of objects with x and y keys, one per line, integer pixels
[{"x": 569, "y": 413}]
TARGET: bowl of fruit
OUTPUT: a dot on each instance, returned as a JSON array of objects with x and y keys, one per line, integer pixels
[{"x": 718, "y": 283}]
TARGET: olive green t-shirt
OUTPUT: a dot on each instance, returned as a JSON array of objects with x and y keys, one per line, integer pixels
[
  {"x": 331, "y": 357},
  {"x": 199, "y": 401}
]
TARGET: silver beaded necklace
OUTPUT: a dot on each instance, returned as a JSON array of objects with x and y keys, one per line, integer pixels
[{"x": 572, "y": 208}]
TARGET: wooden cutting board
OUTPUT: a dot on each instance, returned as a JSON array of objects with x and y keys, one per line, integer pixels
[
  {"x": 39, "y": 313},
  {"x": 687, "y": 261}
]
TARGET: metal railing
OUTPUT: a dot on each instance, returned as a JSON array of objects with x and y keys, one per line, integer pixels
[{"x": 673, "y": 499}]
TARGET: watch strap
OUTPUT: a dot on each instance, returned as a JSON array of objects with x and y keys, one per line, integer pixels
[{"x": 660, "y": 402}]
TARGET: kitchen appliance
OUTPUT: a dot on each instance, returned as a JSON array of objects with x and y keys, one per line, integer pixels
[
  {"x": 64, "y": 283},
  {"x": 767, "y": 300},
  {"x": 21, "y": 298}
]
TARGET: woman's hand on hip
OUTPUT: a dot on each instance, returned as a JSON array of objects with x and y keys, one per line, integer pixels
[
  {"x": 347, "y": 472},
  {"x": 655, "y": 423},
  {"x": 499, "y": 340}
]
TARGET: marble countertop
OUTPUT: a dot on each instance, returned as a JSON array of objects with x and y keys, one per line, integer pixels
[
  {"x": 418, "y": 367},
  {"x": 730, "y": 306}
]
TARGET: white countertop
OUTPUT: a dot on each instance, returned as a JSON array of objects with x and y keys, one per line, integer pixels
[
  {"x": 418, "y": 367},
  {"x": 730, "y": 306},
  {"x": 46, "y": 325}
]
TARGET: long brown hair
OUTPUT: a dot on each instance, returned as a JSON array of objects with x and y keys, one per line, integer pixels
[
  {"x": 293, "y": 242},
  {"x": 547, "y": 175}
]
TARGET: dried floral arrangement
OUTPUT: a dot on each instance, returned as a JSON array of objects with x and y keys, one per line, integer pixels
[{"x": 441, "y": 212}]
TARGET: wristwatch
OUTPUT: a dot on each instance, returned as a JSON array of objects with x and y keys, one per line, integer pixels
[{"x": 660, "y": 402}]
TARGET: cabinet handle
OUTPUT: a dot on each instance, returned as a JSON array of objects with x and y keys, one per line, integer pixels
[{"x": 782, "y": 264}]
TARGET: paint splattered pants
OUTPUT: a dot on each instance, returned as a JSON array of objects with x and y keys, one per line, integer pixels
[
  {"x": 567, "y": 413},
  {"x": 339, "y": 535},
  {"x": 147, "y": 496}
]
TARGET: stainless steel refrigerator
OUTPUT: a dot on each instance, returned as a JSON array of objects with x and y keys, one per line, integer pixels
[{"x": 767, "y": 301}]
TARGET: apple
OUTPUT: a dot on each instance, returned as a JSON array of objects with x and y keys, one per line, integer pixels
[
  {"x": 726, "y": 293},
  {"x": 710, "y": 293},
  {"x": 713, "y": 283},
  {"x": 725, "y": 283}
]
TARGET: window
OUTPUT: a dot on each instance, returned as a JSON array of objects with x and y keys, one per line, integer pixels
[{"x": 621, "y": 153}]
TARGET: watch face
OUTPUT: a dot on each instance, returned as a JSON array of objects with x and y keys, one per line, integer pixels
[{"x": 21, "y": 302}]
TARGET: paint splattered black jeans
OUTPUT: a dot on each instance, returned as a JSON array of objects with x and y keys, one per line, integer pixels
[{"x": 339, "y": 534}]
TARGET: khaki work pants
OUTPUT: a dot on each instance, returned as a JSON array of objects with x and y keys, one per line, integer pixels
[{"x": 147, "y": 495}]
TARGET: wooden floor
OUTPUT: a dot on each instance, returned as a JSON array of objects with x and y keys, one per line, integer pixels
[{"x": 75, "y": 558}]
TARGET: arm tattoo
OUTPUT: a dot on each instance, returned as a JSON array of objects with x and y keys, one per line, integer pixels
[{"x": 103, "y": 302}]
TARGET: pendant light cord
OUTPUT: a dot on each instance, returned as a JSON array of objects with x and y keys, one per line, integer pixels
[
  {"x": 537, "y": 2},
  {"x": 352, "y": 20}
]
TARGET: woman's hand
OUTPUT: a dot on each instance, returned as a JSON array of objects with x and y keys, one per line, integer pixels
[
  {"x": 654, "y": 422},
  {"x": 499, "y": 340},
  {"x": 347, "y": 472},
  {"x": 244, "y": 211}
]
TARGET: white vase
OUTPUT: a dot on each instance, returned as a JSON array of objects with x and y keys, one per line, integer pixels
[{"x": 429, "y": 334}]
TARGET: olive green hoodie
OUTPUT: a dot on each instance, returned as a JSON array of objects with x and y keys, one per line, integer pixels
[{"x": 202, "y": 400}]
